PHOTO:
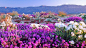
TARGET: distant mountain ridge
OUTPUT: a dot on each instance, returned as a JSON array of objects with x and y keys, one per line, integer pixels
[{"x": 69, "y": 9}]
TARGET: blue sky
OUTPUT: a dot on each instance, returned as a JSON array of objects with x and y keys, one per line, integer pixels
[{"x": 26, "y": 3}]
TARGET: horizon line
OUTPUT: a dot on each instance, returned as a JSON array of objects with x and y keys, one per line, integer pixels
[{"x": 46, "y": 5}]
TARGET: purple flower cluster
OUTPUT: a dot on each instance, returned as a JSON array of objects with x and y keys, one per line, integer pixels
[
  {"x": 23, "y": 26},
  {"x": 51, "y": 26},
  {"x": 36, "y": 38},
  {"x": 77, "y": 19},
  {"x": 20, "y": 16},
  {"x": 83, "y": 44}
]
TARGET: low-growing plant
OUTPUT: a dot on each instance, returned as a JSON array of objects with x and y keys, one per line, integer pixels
[
  {"x": 36, "y": 38},
  {"x": 77, "y": 19},
  {"x": 84, "y": 17},
  {"x": 49, "y": 20}
]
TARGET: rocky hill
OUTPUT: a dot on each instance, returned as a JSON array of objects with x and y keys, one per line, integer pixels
[{"x": 69, "y": 9}]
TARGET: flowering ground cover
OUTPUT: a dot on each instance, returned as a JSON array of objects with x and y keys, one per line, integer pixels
[
  {"x": 36, "y": 38},
  {"x": 68, "y": 34},
  {"x": 77, "y": 19},
  {"x": 28, "y": 37}
]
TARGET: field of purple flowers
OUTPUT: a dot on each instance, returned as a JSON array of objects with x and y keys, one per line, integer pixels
[{"x": 67, "y": 33}]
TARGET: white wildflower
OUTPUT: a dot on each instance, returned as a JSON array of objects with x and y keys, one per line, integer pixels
[
  {"x": 84, "y": 29},
  {"x": 39, "y": 26},
  {"x": 72, "y": 42},
  {"x": 72, "y": 34},
  {"x": 80, "y": 36},
  {"x": 85, "y": 36},
  {"x": 69, "y": 27},
  {"x": 80, "y": 31},
  {"x": 59, "y": 20},
  {"x": 80, "y": 27},
  {"x": 3, "y": 24},
  {"x": 83, "y": 24},
  {"x": 32, "y": 25},
  {"x": 74, "y": 26},
  {"x": 60, "y": 25},
  {"x": 13, "y": 24},
  {"x": 71, "y": 22},
  {"x": 76, "y": 23}
]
